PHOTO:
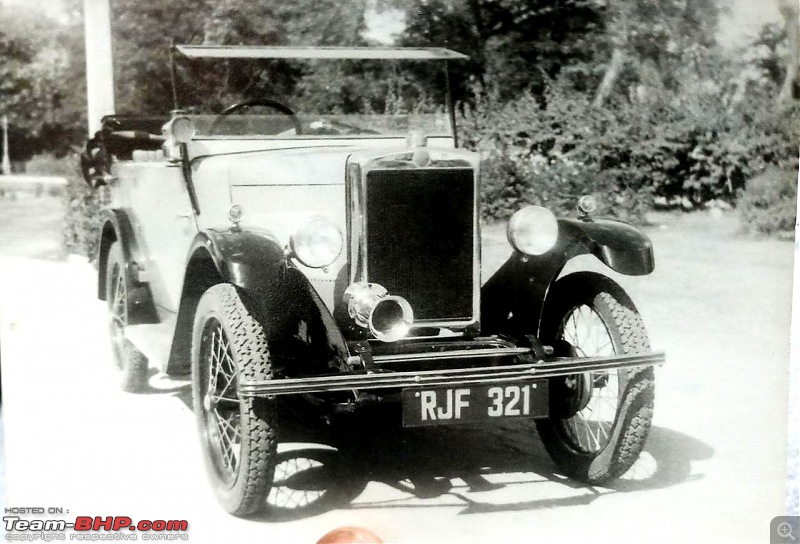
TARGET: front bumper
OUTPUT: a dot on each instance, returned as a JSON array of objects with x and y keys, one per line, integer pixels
[{"x": 385, "y": 379}]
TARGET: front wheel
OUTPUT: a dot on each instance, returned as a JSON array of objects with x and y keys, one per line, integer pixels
[
  {"x": 237, "y": 434},
  {"x": 599, "y": 421}
]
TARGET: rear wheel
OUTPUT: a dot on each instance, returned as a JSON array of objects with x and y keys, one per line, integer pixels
[
  {"x": 237, "y": 434},
  {"x": 599, "y": 421},
  {"x": 130, "y": 364}
]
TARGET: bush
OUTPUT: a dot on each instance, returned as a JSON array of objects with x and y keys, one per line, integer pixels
[
  {"x": 509, "y": 184},
  {"x": 82, "y": 225},
  {"x": 769, "y": 203},
  {"x": 683, "y": 151},
  {"x": 551, "y": 154},
  {"x": 46, "y": 164},
  {"x": 82, "y": 204}
]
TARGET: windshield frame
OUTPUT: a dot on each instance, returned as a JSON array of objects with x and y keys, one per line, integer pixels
[{"x": 423, "y": 54}]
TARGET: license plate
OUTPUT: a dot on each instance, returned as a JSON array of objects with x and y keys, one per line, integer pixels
[{"x": 448, "y": 405}]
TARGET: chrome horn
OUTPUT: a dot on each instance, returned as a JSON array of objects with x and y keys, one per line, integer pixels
[{"x": 370, "y": 305}]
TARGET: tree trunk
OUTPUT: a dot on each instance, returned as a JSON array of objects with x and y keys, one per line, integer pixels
[
  {"x": 791, "y": 13},
  {"x": 611, "y": 76}
]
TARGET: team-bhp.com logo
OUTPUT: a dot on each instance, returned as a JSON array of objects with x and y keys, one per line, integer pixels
[{"x": 91, "y": 528}]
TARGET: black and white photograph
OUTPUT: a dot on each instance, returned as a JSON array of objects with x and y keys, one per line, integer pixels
[{"x": 412, "y": 271}]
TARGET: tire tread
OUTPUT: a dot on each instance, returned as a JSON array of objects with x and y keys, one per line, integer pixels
[
  {"x": 636, "y": 408},
  {"x": 134, "y": 365},
  {"x": 247, "y": 338}
]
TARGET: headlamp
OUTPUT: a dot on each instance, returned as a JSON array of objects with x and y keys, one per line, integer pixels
[
  {"x": 318, "y": 243},
  {"x": 533, "y": 230},
  {"x": 182, "y": 129}
]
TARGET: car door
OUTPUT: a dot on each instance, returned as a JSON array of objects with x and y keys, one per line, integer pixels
[{"x": 161, "y": 212}]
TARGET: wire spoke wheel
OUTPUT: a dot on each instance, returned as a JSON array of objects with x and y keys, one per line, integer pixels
[
  {"x": 590, "y": 428},
  {"x": 118, "y": 313},
  {"x": 599, "y": 421},
  {"x": 220, "y": 401},
  {"x": 129, "y": 363},
  {"x": 237, "y": 434}
]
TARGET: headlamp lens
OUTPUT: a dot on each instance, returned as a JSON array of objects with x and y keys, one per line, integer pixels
[
  {"x": 533, "y": 230},
  {"x": 318, "y": 243}
]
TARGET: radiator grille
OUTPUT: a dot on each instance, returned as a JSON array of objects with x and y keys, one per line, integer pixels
[{"x": 420, "y": 238}]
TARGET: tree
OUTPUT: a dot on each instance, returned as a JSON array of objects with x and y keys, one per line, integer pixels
[
  {"x": 791, "y": 14},
  {"x": 513, "y": 44},
  {"x": 143, "y": 30},
  {"x": 40, "y": 55},
  {"x": 650, "y": 36},
  {"x": 769, "y": 64}
]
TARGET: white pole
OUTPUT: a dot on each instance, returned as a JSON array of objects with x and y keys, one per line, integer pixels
[
  {"x": 6, "y": 159},
  {"x": 99, "y": 61}
]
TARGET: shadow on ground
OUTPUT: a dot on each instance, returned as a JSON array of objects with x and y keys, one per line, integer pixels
[
  {"x": 328, "y": 467},
  {"x": 425, "y": 462}
]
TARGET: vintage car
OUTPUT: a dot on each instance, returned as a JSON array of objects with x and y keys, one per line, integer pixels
[{"x": 335, "y": 260}]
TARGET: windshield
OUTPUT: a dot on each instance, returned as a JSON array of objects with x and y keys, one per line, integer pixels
[
  {"x": 279, "y": 125},
  {"x": 287, "y": 99}
]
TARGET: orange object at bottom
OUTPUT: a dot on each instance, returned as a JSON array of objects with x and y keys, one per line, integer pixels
[{"x": 350, "y": 535}]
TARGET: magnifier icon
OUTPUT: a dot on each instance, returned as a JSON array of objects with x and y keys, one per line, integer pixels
[{"x": 785, "y": 530}]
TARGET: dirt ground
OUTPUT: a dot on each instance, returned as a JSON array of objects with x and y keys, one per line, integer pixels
[
  {"x": 31, "y": 226},
  {"x": 713, "y": 471}
]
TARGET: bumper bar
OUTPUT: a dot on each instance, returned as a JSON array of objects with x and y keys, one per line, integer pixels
[{"x": 447, "y": 377}]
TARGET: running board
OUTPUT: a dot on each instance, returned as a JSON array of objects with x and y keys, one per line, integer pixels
[{"x": 447, "y": 377}]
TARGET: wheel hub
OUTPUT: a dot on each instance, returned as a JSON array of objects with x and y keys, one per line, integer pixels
[
  {"x": 574, "y": 392},
  {"x": 571, "y": 395}
]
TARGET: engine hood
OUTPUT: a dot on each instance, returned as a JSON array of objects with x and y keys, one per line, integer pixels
[
  {"x": 281, "y": 190},
  {"x": 301, "y": 166}
]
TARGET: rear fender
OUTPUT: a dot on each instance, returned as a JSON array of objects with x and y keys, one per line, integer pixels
[
  {"x": 301, "y": 332},
  {"x": 513, "y": 299},
  {"x": 116, "y": 227}
]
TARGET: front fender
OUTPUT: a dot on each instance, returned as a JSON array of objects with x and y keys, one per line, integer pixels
[
  {"x": 249, "y": 260},
  {"x": 512, "y": 300},
  {"x": 301, "y": 332},
  {"x": 622, "y": 247}
]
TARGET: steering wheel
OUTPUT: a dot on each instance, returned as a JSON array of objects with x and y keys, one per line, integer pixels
[{"x": 269, "y": 103}]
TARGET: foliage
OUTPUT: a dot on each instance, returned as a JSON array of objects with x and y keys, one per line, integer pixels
[
  {"x": 514, "y": 45},
  {"x": 522, "y": 45},
  {"x": 557, "y": 184},
  {"x": 19, "y": 45},
  {"x": 552, "y": 153},
  {"x": 768, "y": 205},
  {"x": 82, "y": 226},
  {"x": 660, "y": 31},
  {"x": 692, "y": 148},
  {"x": 144, "y": 29},
  {"x": 38, "y": 57},
  {"x": 82, "y": 204},
  {"x": 47, "y": 164},
  {"x": 683, "y": 121},
  {"x": 767, "y": 50}
]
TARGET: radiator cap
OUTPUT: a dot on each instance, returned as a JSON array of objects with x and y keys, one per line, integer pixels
[{"x": 416, "y": 138}]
